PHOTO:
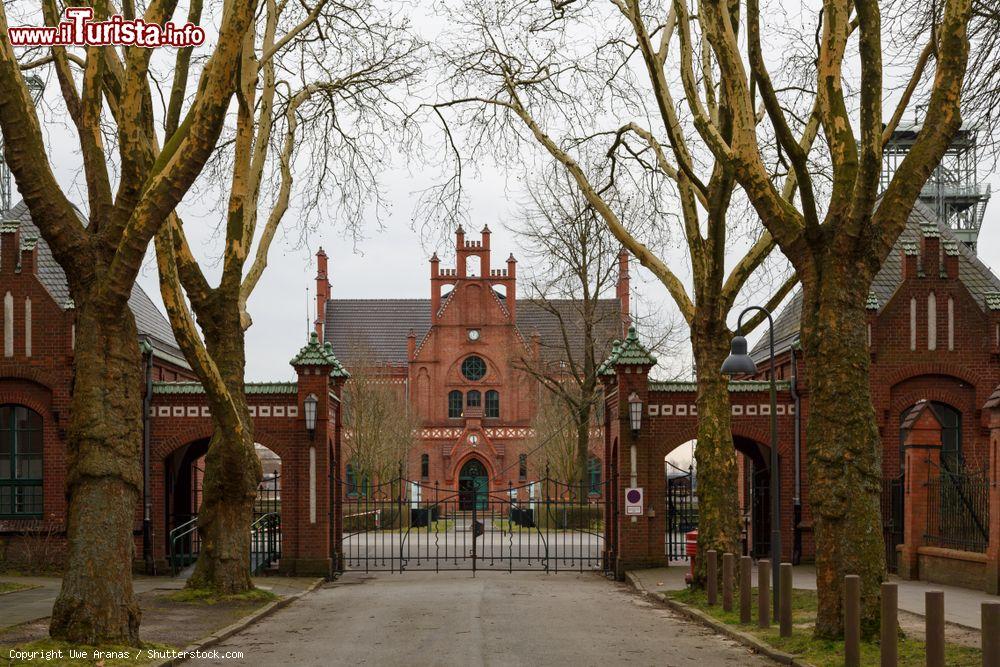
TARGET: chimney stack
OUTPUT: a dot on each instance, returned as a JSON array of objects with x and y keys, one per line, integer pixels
[
  {"x": 10, "y": 246},
  {"x": 623, "y": 290},
  {"x": 322, "y": 292},
  {"x": 931, "y": 250}
]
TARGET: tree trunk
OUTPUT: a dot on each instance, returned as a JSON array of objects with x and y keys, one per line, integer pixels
[
  {"x": 232, "y": 468},
  {"x": 104, "y": 481},
  {"x": 845, "y": 452},
  {"x": 715, "y": 456}
]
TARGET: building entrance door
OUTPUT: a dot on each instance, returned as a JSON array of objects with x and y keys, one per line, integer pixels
[{"x": 473, "y": 486}]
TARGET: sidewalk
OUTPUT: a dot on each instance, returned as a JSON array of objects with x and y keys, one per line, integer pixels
[
  {"x": 961, "y": 605},
  {"x": 36, "y": 603}
]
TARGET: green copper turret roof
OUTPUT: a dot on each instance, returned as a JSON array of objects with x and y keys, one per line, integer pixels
[
  {"x": 317, "y": 354},
  {"x": 629, "y": 352}
]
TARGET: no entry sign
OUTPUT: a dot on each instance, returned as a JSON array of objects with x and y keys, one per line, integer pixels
[{"x": 633, "y": 501}]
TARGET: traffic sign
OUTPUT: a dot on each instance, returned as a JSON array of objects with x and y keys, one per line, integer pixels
[{"x": 633, "y": 501}]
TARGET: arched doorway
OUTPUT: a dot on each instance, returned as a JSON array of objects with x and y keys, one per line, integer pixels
[
  {"x": 756, "y": 496},
  {"x": 473, "y": 486}
]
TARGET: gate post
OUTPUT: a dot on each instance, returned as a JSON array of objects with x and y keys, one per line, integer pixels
[
  {"x": 308, "y": 493},
  {"x": 638, "y": 539},
  {"x": 992, "y": 583},
  {"x": 922, "y": 451}
]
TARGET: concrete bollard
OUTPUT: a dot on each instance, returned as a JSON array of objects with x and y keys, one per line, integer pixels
[
  {"x": 934, "y": 618},
  {"x": 712, "y": 572},
  {"x": 763, "y": 593},
  {"x": 991, "y": 634},
  {"x": 852, "y": 620},
  {"x": 728, "y": 561},
  {"x": 745, "y": 564},
  {"x": 890, "y": 625},
  {"x": 785, "y": 600}
]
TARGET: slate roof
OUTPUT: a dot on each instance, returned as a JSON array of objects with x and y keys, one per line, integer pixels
[
  {"x": 316, "y": 354},
  {"x": 152, "y": 324},
  {"x": 384, "y": 324},
  {"x": 629, "y": 352},
  {"x": 982, "y": 284}
]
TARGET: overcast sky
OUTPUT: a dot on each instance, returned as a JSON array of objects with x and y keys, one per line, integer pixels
[{"x": 390, "y": 262}]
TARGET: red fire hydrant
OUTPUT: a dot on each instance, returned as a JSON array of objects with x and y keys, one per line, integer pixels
[{"x": 691, "y": 549}]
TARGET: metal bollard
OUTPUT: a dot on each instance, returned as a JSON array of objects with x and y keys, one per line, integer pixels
[
  {"x": 890, "y": 625},
  {"x": 991, "y": 634},
  {"x": 934, "y": 615},
  {"x": 745, "y": 564},
  {"x": 763, "y": 593},
  {"x": 712, "y": 572},
  {"x": 785, "y": 600},
  {"x": 728, "y": 561},
  {"x": 852, "y": 620}
]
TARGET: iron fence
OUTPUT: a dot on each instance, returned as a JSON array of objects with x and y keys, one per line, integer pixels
[
  {"x": 958, "y": 509},
  {"x": 892, "y": 518}
]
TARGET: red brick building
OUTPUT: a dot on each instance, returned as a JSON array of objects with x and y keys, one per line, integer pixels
[{"x": 457, "y": 359}]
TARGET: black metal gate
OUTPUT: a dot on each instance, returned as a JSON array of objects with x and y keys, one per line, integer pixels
[
  {"x": 892, "y": 518},
  {"x": 682, "y": 510},
  {"x": 405, "y": 525}
]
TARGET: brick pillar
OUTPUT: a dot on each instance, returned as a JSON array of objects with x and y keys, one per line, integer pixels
[
  {"x": 922, "y": 457},
  {"x": 307, "y": 521},
  {"x": 639, "y": 539},
  {"x": 337, "y": 497},
  {"x": 992, "y": 584}
]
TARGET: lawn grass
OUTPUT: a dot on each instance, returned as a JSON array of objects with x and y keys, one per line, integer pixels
[
  {"x": 13, "y": 586},
  {"x": 55, "y": 653},
  {"x": 208, "y": 596},
  {"x": 807, "y": 648}
]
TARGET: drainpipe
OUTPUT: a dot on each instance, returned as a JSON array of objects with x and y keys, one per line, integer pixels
[
  {"x": 797, "y": 498},
  {"x": 147, "y": 510}
]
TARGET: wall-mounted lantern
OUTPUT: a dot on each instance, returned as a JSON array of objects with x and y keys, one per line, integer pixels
[
  {"x": 309, "y": 404},
  {"x": 635, "y": 412}
]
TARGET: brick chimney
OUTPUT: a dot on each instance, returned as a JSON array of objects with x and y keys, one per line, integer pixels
[
  {"x": 322, "y": 292},
  {"x": 29, "y": 255},
  {"x": 911, "y": 259},
  {"x": 10, "y": 246},
  {"x": 930, "y": 241},
  {"x": 623, "y": 289},
  {"x": 951, "y": 259}
]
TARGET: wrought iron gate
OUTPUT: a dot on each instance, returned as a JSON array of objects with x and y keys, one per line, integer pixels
[
  {"x": 892, "y": 518},
  {"x": 405, "y": 525},
  {"x": 682, "y": 510}
]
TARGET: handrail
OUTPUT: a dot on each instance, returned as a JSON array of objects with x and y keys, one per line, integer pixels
[
  {"x": 265, "y": 539},
  {"x": 187, "y": 528}
]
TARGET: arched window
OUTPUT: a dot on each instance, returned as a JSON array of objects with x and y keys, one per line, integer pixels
[
  {"x": 473, "y": 399},
  {"x": 522, "y": 467},
  {"x": 425, "y": 466},
  {"x": 493, "y": 404},
  {"x": 454, "y": 404},
  {"x": 20, "y": 461},
  {"x": 473, "y": 368},
  {"x": 594, "y": 475}
]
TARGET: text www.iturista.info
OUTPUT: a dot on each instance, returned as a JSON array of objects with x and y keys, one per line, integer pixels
[{"x": 77, "y": 28}]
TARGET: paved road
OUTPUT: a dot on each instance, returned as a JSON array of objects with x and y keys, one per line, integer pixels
[{"x": 524, "y": 618}]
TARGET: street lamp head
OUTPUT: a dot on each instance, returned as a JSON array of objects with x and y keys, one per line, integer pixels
[
  {"x": 309, "y": 404},
  {"x": 635, "y": 412},
  {"x": 739, "y": 362}
]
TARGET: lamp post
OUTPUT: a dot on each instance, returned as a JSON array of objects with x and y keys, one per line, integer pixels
[
  {"x": 740, "y": 363},
  {"x": 309, "y": 405}
]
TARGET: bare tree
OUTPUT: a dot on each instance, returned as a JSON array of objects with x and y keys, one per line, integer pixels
[
  {"x": 318, "y": 97},
  {"x": 836, "y": 252},
  {"x": 574, "y": 284},
  {"x": 521, "y": 74},
  {"x": 380, "y": 429},
  {"x": 106, "y": 85},
  {"x": 556, "y": 441}
]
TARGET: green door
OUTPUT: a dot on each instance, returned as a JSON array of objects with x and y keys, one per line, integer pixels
[{"x": 473, "y": 486}]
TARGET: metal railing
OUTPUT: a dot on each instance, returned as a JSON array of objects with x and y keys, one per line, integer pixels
[
  {"x": 185, "y": 544},
  {"x": 958, "y": 509},
  {"x": 265, "y": 542}
]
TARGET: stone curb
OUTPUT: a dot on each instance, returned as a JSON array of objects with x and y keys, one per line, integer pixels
[
  {"x": 719, "y": 627},
  {"x": 225, "y": 633}
]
